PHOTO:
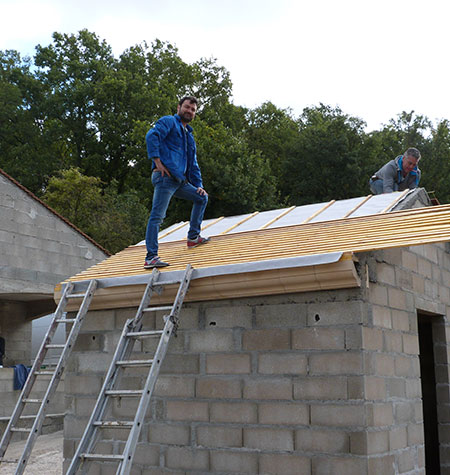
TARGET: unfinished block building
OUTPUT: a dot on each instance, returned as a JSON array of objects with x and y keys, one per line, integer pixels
[
  {"x": 313, "y": 340},
  {"x": 38, "y": 249}
]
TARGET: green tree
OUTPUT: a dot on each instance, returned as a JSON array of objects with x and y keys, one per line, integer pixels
[
  {"x": 326, "y": 162},
  {"x": 113, "y": 220}
]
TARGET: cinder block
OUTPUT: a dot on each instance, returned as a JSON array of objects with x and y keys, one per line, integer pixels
[
  {"x": 396, "y": 387},
  {"x": 282, "y": 363},
  {"x": 181, "y": 364},
  {"x": 398, "y": 438},
  {"x": 321, "y": 388},
  {"x": 337, "y": 415},
  {"x": 384, "y": 364},
  {"x": 378, "y": 294},
  {"x": 369, "y": 442},
  {"x": 103, "y": 319},
  {"x": 284, "y": 464},
  {"x": 213, "y": 436},
  {"x": 284, "y": 315},
  {"x": 172, "y": 434},
  {"x": 241, "y": 413},
  {"x": 333, "y": 313},
  {"x": 385, "y": 273},
  {"x": 336, "y": 363},
  {"x": 187, "y": 459},
  {"x": 404, "y": 412},
  {"x": 410, "y": 344},
  {"x": 404, "y": 366},
  {"x": 233, "y": 462},
  {"x": 393, "y": 342},
  {"x": 375, "y": 388},
  {"x": 318, "y": 338},
  {"x": 339, "y": 466},
  {"x": 397, "y": 298},
  {"x": 83, "y": 384},
  {"x": 406, "y": 460},
  {"x": 378, "y": 415},
  {"x": 274, "y": 339},
  {"x": 229, "y": 317},
  {"x": 145, "y": 455},
  {"x": 269, "y": 439},
  {"x": 219, "y": 388},
  {"x": 239, "y": 363},
  {"x": 94, "y": 341},
  {"x": 175, "y": 386},
  {"x": 211, "y": 341},
  {"x": 372, "y": 338},
  {"x": 382, "y": 465},
  {"x": 187, "y": 411},
  {"x": 322, "y": 441},
  {"x": 267, "y": 389},
  {"x": 409, "y": 260},
  {"x": 283, "y": 413},
  {"x": 381, "y": 316},
  {"x": 189, "y": 319}
]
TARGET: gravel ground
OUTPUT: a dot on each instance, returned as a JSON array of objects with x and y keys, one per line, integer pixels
[{"x": 46, "y": 457}]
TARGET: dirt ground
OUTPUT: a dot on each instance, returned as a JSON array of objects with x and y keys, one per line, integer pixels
[{"x": 46, "y": 457}]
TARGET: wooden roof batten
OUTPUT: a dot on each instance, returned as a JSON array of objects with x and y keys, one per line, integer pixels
[{"x": 267, "y": 246}]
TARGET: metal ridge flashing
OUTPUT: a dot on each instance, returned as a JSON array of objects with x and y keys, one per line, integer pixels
[{"x": 167, "y": 276}]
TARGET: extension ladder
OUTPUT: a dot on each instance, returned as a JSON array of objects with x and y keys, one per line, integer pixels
[
  {"x": 24, "y": 399},
  {"x": 131, "y": 333}
]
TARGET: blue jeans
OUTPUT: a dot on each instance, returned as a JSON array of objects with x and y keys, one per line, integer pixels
[
  {"x": 164, "y": 188},
  {"x": 376, "y": 186}
]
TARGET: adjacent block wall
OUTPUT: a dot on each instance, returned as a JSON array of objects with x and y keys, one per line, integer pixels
[{"x": 314, "y": 383}]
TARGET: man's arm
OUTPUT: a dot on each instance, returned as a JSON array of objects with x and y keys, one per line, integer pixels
[{"x": 160, "y": 167}]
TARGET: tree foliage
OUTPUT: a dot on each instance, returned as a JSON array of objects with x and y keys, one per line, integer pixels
[{"x": 73, "y": 121}]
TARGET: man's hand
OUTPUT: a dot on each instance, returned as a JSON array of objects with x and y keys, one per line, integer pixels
[
  {"x": 201, "y": 191},
  {"x": 160, "y": 167}
]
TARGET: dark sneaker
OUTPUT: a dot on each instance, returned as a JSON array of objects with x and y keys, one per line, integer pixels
[
  {"x": 155, "y": 261},
  {"x": 191, "y": 243}
]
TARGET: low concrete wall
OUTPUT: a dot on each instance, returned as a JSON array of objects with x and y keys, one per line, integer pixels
[{"x": 9, "y": 397}]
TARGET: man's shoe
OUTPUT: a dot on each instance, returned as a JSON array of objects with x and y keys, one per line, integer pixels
[
  {"x": 155, "y": 261},
  {"x": 191, "y": 243}
]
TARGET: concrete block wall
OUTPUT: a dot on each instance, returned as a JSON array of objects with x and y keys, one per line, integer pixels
[
  {"x": 403, "y": 283},
  {"x": 38, "y": 248},
  {"x": 313, "y": 383},
  {"x": 16, "y": 330}
]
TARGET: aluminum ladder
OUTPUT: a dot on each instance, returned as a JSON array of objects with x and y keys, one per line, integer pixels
[
  {"x": 131, "y": 333},
  {"x": 24, "y": 400}
]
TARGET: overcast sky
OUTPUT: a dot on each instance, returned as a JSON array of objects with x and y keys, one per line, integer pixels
[{"x": 373, "y": 59}]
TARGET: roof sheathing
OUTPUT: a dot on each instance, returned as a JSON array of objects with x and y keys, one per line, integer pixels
[{"x": 233, "y": 254}]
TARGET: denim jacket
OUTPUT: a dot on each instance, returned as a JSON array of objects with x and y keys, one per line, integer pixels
[{"x": 175, "y": 146}]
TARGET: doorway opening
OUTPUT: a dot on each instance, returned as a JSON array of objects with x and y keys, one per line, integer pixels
[{"x": 427, "y": 338}]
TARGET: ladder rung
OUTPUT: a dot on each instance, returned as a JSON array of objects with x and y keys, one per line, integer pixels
[
  {"x": 134, "y": 363},
  {"x": 42, "y": 373},
  {"x": 114, "y": 424},
  {"x": 167, "y": 282},
  {"x": 75, "y": 296},
  {"x": 116, "y": 458},
  {"x": 8, "y": 461},
  {"x": 147, "y": 334},
  {"x": 19, "y": 429},
  {"x": 123, "y": 392},
  {"x": 157, "y": 309},
  {"x": 52, "y": 347},
  {"x": 66, "y": 320},
  {"x": 32, "y": 401}
]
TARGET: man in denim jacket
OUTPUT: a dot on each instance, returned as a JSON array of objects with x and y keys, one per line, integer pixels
[
  {"x": 398, "y": 174},
  {"x": 171, "y": 147}
]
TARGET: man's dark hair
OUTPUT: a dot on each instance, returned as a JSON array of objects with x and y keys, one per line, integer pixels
[
  {"x": 412, "y": 152},
  {"x": 191, "y": 99}
]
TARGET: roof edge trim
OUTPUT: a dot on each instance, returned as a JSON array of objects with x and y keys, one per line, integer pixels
[{"x": 274, "y": 264}]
